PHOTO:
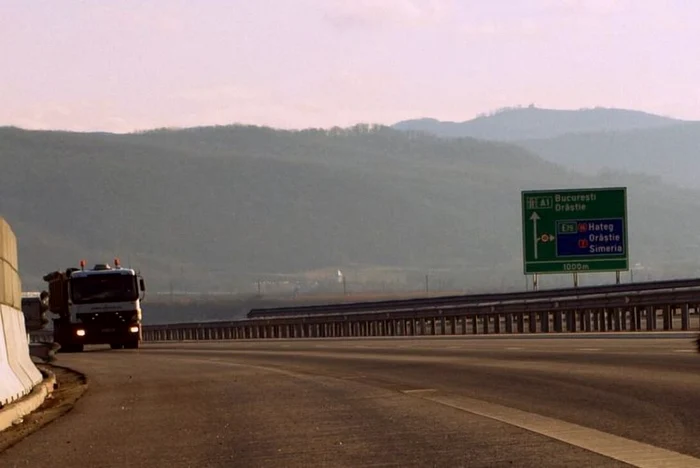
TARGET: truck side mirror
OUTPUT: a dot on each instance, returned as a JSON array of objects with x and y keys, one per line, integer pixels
[{"x": 142, "y": 284}]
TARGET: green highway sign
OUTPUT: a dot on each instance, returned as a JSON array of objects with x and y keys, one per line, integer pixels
[{"x": 572, "y": 231}]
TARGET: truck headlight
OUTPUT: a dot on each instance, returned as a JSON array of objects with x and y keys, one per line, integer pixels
[
  {"x": 134, "y": 329},
  {"x": 80, "y": 332}
]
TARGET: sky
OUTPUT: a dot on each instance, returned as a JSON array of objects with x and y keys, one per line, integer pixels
[{"x": 124, "y": 65}]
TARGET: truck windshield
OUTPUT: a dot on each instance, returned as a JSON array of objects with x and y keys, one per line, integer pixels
[{"x": 104, "y": 288}]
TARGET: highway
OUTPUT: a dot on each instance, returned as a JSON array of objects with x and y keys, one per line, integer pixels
[{"x": 403, "y": 402}]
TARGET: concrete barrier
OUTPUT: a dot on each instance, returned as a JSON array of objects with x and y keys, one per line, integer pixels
[{"x": 18, "y": 374}]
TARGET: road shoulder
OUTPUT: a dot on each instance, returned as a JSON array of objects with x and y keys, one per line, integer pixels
[{"x": 71, "y": 385}]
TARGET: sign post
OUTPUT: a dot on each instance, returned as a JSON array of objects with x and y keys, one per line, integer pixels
[{"x": 575, "y": 231}]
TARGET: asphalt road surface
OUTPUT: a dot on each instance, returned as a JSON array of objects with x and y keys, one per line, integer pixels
[{"x": 430, "y": 402}]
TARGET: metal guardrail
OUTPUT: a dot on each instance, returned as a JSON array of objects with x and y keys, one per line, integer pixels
[
  {"x": 614, "y": 306},
  {"x": 597, "y": 301},
  {"x": 380, "y": 306}
]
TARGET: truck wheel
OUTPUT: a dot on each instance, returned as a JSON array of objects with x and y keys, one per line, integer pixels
[
  {"x": 131, "y": 345},
  {"x": 116, "y": 346}
]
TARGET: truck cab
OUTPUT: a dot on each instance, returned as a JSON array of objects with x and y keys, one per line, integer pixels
[{"x": 101, "y": 305}]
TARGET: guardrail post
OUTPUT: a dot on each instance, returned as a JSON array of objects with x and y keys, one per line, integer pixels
[
  {"x": 605, "y": 319},
  {"x": 497, "y": 323},
  {"x": 521, "y": 322},
  {"x": 587, "y": 320},
  {"x": 532, "y": 322},
  {"x": 685, "y": 317},
  {"x": 544, "y": 322},
  {"x": 453, "y": 325},
  {"x": 570, "y": 320},
  {"x": 463, "y": 321},
  {"x": 634, "y": 324},
  {"x": 509, "y": 323},
  {"x": 617, "y": 318},
  {"x": 650, "y": 316},
  {"x": 638, "y": 316},
  {"x": 422, "y": 326},
  {"x": 667, "y": 317},
  {"x": 558, "y": 327},
  {"x": 610, "y": 325},
  {"x": 485, "y": 324}
]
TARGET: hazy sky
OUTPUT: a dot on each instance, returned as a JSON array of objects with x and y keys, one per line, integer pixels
[{"x": 126, "y": 64}]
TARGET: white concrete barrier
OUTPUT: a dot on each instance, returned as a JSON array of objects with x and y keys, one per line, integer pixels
[{"x": 18, "y": 374}]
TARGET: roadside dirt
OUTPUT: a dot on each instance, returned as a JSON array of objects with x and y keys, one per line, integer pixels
[{"x": 71, "y": 386}]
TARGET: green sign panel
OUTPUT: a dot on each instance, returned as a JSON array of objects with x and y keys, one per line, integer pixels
[{"x": 570, "y": 231}]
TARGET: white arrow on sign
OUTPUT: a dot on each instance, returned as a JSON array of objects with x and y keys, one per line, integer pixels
[{"x": 534, "y": 218}]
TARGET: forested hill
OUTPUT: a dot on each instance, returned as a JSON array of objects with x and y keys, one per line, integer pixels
[{"x": 218, "y": 207}]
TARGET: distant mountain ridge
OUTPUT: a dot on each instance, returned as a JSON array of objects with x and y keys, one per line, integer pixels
[
  {"x": 671, "y": 152},
  {"x": 522, "y": 123}
]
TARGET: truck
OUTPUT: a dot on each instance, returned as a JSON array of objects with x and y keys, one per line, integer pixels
[{"x": 101, "y": 305}]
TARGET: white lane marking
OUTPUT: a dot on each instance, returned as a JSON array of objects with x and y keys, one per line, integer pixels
[
  {"x": 419, "y": 390},
  {"x": 628, "y": 451},
  {"x": 683, "y": 350},
  {"x": 590, "y": 349},
  {"x": 514, "y": 348}
]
